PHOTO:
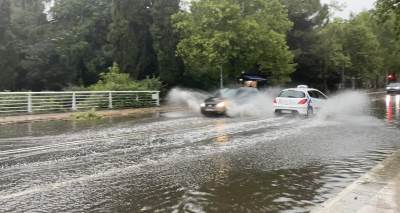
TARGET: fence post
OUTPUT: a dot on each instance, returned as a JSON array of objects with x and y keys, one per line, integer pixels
[
  {"x": 110, "y": 100},
  {"x": 157, "y": 97},
  {"x": 74, "y": 101},
  {"x": 29, "y": 102}
]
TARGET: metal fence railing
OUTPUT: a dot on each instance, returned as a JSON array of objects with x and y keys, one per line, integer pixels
[{"x": 40, "y": 102}]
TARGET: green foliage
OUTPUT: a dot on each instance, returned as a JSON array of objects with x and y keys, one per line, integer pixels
[
  {"x": 386, "y": 10},
  {"x": 79, "y": 30},
  {"x": 8, "y": 56},
  {"x": 308, "y": 17},
  {"x": 363, "y": 47},
  {"x": 131, "y": 39},
  {"x": 79, "y": 40},
  {"x": 165, "y": 40},
  {"x": 236, "y": 35},
  {"x": 86, "y": 116},
  {"x": 114, "y": 80},
  {"x": 329, "y": 51}
]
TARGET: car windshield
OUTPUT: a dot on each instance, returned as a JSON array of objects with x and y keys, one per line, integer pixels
[
  {"x": 245, "y": 92},
  {"x": 235, "y": 93},
  {"x": 226, "y": 93},
  {"x": 292, "y": 94},
  {"x": 394, "y": 85}
]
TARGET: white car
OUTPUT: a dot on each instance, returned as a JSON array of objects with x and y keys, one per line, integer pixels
[{"x": 301, "y": 100}]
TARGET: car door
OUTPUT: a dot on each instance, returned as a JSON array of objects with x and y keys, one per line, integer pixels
[
  {"x": 322, "y": 98},
  {"x": 316, "y": 101}
]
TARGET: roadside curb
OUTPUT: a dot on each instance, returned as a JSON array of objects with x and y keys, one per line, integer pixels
[
  {"x": 67, "y": 116},
  {"x": 376, "y": 191}
]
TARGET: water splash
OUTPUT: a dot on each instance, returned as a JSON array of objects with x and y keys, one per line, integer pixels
[
  {"x": 258, "y": 105},
  {"x": 345, "y": 105},
  {"x": 186, "y": 98}
]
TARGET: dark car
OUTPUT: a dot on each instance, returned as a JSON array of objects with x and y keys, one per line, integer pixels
[
  {"x": 220, "y": 102},
  {"x": 393, "y": 88}
]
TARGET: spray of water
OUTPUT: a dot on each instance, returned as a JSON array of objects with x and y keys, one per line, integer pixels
[
  {"x": 186, "y": 98},
  {"x": 345, "y": 104},
  {"x": 256, "y": 105}
]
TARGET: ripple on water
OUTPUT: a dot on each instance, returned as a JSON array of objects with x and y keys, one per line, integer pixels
[{"x": 223, "y": 165}]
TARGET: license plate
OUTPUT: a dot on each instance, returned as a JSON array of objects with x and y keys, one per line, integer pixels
[
  {"x": 209, "y": 110},
  {"x": 286, "y": 111}
]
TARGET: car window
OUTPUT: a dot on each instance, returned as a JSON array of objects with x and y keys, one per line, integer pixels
[
  {"x": 394, "y": 85},
  {"x": 292, "y": 94},
  {"x": 321, "y": 96},
  {"x": 316, "y": 94},
  {"x": 313, "y": 94},
  {"x": 226, "y": 93}
]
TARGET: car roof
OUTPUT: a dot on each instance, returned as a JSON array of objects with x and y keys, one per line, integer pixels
[{"x": 301, "y": 89}]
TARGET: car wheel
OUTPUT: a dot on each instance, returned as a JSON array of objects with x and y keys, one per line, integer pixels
[
  {"x": 277, "y": 113},
  {"x": 310, "y": 112}
]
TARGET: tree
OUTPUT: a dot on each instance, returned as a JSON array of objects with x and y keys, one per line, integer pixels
[
  {"x": 363, "y": 47},
  {"x": 35, "y": 69},
  {"x": 8, "y": 58},
  {"x": 387, "y": 9},
  {"x": 131, "y": 38},
  {"x": 80, "y": 31},
  {"x": 236, "y": 35},
  {"x": 165, "y": 41},
  {"x": 308, "y": 17},
  {"x": 114, "y": 80},
  {"x": 330, "y": 54},
  {"x": 389, "y": 44}
]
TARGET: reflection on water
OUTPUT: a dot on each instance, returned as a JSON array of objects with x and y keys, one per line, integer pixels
[
  {"x": 222, "y": 137},
  {"x": 178, "y": 163},
  {"x": 392, "y": 109},
  {"x": 56, "y": 127}
]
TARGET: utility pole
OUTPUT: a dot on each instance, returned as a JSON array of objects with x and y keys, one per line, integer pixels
[{"x": 343, "y": 79}]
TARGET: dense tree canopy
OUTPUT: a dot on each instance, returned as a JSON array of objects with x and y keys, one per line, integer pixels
[
  {"x": 165, "y": 41},
  {"x": 236, "y": 35},
  {"x": 7, "y": 52},
  {"x": 79, "y": 29},
  {"x": 308, "y": 17},
  {"x": 387, "y": 9},
  {"x": 287, "y": 40}
]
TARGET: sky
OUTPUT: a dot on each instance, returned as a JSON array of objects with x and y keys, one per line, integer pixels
[{"x": 353, "y": 6}]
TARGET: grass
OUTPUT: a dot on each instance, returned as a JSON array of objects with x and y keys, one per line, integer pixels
[{"x": 86, "y": 116}]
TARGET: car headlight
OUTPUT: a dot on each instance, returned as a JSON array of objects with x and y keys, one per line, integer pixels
[
  {"x": 222, "y": 104},
  {"x": 203, "y": 105},
  {"x": 397, "y": 87}
]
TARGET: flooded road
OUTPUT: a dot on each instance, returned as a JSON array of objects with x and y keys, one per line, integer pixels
[{"x": 183, "y": 162}]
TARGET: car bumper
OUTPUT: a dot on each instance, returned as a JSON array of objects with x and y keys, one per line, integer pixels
[
  {"x": 213, "y": 110},
  {"x": 393, "y": 91},
  {"x": 290, "y": 110}
]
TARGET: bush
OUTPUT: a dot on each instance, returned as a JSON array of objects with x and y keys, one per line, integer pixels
[{"x": 114, "y": 80}]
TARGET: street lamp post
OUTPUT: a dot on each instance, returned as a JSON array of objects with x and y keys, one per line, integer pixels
[{"x": 221, "y": 77}]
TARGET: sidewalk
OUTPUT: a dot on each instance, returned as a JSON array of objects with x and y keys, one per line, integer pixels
[
  {"x": 67, "y": 115},
  {"x": 376, "y": 192}
]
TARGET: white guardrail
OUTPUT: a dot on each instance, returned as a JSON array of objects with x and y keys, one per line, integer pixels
[{"x": 41, "y": 102}]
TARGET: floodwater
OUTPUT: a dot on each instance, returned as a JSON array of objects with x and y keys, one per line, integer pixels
[{"x": 183, "y": 162}]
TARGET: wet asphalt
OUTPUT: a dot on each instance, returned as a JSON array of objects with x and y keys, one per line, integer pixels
[{"x": 184, "y": 162}]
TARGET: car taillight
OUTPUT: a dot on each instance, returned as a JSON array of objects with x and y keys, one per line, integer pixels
[
  {"x": 303, "y": 101},
  {"x": 275, "y": 101}
]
